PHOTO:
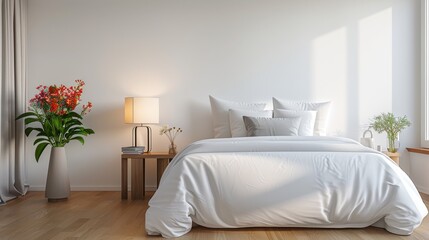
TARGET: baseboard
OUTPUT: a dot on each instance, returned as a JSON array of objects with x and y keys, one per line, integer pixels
[
  {"x": 92, "y": 188},
  {"x": 148, "y": 188}
]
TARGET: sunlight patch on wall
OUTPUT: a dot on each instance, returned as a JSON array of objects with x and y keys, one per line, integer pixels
[
  {"x": 330, "y": 75},
  {"x": 375, "y": 65}
]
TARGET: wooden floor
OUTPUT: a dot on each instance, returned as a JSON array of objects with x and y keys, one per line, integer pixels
[{"x": 102, "y": 215}]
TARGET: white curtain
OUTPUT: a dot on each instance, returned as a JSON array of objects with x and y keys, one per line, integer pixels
[{"x": 12, "y": 98}]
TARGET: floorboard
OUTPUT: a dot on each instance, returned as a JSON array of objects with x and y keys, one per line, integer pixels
[{"x": 102, "y": 215}]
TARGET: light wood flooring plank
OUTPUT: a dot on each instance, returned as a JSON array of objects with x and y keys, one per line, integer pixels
[{"x": 103, "y": 215}]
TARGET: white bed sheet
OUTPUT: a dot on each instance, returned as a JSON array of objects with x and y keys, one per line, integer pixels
[{"x": 324, "y": 182}]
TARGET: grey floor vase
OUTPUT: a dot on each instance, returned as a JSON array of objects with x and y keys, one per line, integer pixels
[{"x": 57, "y": 182}]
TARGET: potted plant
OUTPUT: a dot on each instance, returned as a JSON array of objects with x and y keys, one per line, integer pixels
[
  {"x": 387, "y": 122},
  {"x": 52, "y": 116}
]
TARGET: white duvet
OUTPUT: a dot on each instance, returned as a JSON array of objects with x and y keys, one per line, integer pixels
[{"x": 323, "y": 182}]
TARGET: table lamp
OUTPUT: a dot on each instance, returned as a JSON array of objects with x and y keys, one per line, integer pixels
[{"x": 142, "y": 110}]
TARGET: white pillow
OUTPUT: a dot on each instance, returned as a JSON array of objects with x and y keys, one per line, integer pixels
[
  {"x": 236, "y": 120},
  {"x": 322, "y": 109},
  {"x": 259, "y": 126},
  {"x": 308, "y": 118},
  {"x": 220, "y": 108}
]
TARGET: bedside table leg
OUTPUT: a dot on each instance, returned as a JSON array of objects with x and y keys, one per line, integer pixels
[
  {"x": 143, "y": 177},
  {"x": 137, "y": 179},
  {"x": 124, "y": 178},
  {"x": 161, "y": 166}
]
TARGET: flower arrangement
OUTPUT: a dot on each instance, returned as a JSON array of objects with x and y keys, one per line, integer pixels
[
  {"x": 387, "y": 122},
  {"x": 171, "y": 133},
  {"x": 53, "y": 108}
]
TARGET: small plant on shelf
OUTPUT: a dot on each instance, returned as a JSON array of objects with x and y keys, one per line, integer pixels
[{"x": 387, "y": 122}]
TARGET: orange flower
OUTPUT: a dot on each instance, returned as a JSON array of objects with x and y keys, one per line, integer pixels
[
  {"x": 86, "y": 108},
  {"x": 54, "y": 107},
  {"x": 59, "y": 99},
  {"x": 53, "y": 90}
]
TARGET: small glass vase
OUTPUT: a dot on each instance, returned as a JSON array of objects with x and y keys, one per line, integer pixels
[
  {"x": 393, "y": 144},
  {"x": 172, "y": 149}
]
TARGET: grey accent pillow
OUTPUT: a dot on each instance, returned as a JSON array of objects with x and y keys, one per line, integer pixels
[
  {"x": 236, "y": 120},
  {"x": 261, "y": 126}
]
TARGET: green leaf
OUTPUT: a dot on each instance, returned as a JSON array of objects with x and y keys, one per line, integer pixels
[
  {"x": 40, "y": 140},
  {"x": 89, "y": 131},
  {"x": 30, "y": 129},
  {"x": 56, "y": 122},
  {"x": 72, "y": 123},
  {"x": 30, "y": 120},
  {"x": 49, "y": 131},
  {"x": 56, "y": 130},
  {"x": 80, "y": 139},
  {"x": 39, "y": 150},
  {"x": 42, "y": 134},
  {"x": 27, "y": 114},
  {"x": 74, "y": 115},
  {"x": 81, "y": 131},
  {"x": 74, "y": 133},
  {"x": 71, "y": 132}
]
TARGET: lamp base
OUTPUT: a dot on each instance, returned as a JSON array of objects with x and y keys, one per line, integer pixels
[{"x": 149, "y": 137}]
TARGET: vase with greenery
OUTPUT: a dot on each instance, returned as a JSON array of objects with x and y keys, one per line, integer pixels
[
  {"x": 52, "y": 116},
  {"x": 387, "y": 122}
]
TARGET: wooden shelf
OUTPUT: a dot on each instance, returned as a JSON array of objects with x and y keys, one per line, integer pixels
[{"x": 419, "y": 150}]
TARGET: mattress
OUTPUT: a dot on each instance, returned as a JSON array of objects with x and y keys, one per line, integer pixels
[{"x": 322, "y": 182}]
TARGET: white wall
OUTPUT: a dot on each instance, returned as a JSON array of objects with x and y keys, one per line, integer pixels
[
  {"x": 362, "y": 55},
  {"x": 406, "y": 74}
]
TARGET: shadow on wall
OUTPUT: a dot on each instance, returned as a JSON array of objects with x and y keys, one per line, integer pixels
[
  {"x": 345, "y": 58},
  {"x": 352, "y": 66}
]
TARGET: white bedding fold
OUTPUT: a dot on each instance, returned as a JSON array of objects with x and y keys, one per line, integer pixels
[{"x": 283, "y": 181}]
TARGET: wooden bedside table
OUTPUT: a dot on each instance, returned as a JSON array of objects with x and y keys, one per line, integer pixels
[
  {"x": 138, "y": 172},
  {"x": 394, "y": 156}
]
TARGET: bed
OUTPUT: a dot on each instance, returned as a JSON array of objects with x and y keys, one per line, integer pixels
[
  {"x": 277, "y": 168},
  {"x": 283, "y": 181}
]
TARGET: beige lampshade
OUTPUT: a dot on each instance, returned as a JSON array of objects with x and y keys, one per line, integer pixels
[{"x": 141, "y": 110}]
